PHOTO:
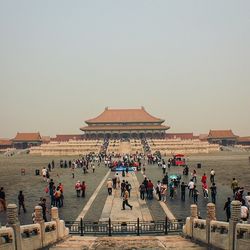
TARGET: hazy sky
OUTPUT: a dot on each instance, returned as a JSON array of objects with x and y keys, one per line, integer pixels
[{"x": 63, "y": 62}]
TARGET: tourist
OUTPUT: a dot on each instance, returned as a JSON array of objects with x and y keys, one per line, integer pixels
[
  {"x": 128, "y": 187},
  {"x": 49, "y": 167},
  {"x": 171, "y": 189},
  {"x": 142, "y": 190},
  {"x": 21, "y": 202},
  {"x": 93, "y": 168},
  {"x": 109, "y": 186},
  {"x": 158, "y": 189},
  {"x": 78, "y": 188},
  {"x": 114, "y": 179},
  {"x": 227, "y": 207},
  {"x": 42, "y": 203},
  {"x": 44, "y": 173},
  {"x": 194, "y": 174},
  {"x": 165, "y": 179},
  {"x": 247, "y": 200},
  {"x": 204, "y": 178},
  {"x": 205, "y": 190},
  {"x": 183, "y": 191},
  {"x": 239, "y": 194},
  {"x": 191, "y": 188},
  {"x": 53, "y": 164},
  {"x": 150, "y": 188},
  {"x": 83, "y": 186},
  {"x": 213, "y": 193},
  {"x": 51, "y": 192},
  {"x": 195, "y": 194},
  {"x": 125, "y": 200},
  {"x": 244, "y": 212},
  {"x": 212, "y": 174},
  {"x": 57, "y": 197},
  {"x": 164, "y": 167},
  {"x": 164, "y": 191},
  {"x": 234, "y": 186},
  {"x": 60, "y": 186},
  {"x": 123, "y": 188},
  {"x": 2, "y": 198},
  {"x": 145, "y": 182},
  {"x": 118, "y": 181}
]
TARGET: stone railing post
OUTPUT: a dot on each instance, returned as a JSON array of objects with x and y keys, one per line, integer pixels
[
  {"x": 235, "y": 218},
  {"x": 55, "y": 217},
  {"x": 210, "y": 216},
  {"x": 13, "y": 221},
  {"x": 39, "y": 219},
  {"x": 194, "y": 215}
]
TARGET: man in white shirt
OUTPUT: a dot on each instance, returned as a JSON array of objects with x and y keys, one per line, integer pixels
[
  {"x": 247, "y": 199},
  {"x": 191, "y": 187},
  {"x": 244, "y": 213},
  {"x": 212, "y": 174},
  {"x": 44, "y": 173}
]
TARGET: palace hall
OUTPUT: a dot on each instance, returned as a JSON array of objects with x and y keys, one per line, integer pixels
[{"x": 124, "y": 124}]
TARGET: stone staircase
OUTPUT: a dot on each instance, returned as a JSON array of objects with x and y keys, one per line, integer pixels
[
  {"x": 125, "y": 243},
  {"x": 125, "y": 147}
]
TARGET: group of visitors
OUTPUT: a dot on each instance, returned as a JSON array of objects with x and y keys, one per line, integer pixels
[{"x": 80, "y": 188}]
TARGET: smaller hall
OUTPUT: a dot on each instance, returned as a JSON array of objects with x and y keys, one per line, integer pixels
[{"x": 124, "y": 124}]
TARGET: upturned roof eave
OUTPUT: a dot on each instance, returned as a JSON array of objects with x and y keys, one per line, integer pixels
[{"x": 160, "y": 121}]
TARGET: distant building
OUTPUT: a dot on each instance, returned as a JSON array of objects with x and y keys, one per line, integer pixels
[
  {"x": 26, "y": 140},
  {"x": 245, "y": 141},
  {"x": 182, "y": 136},
  {"x": 124, "y": 123},
  {"x": 64, "y": 138},
  {"x": 222, "y": 137},
  {"x": 5, "y": 143}
]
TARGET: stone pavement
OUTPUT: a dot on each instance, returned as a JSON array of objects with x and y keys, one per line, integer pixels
[
  {"x": 113, "y": 205},
  {"x": 126, "y": 243}
]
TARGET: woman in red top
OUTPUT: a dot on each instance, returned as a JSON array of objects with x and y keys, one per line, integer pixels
[{"x": 204, "y": 178}]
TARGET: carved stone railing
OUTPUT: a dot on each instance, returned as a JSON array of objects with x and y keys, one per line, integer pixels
[
  {"x": 34, "y": 236},
  {"x": 231, "y": 235}
]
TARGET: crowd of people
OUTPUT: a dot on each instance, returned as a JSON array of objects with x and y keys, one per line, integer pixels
[{"x": 192, "y": 187}]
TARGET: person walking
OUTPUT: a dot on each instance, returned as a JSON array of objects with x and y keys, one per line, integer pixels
[
  {"x": 109, "y": 186},
  {"x": 125, "y": 200},
  {"x": 205, "y": 190},
  {"x": 83, "y": 189},
  {"x": 213, "y": 193},
  {"x": 196, "y": 193},
  {"x": 78, "y": 188},
  {"x": 158, "y": 190},
  {"x": 234, "y": 186},
  {"x": 204, "y": 178},
  {"x": 21, "y": 202},
  {"x": 191, "y": 188},
  {"x": 194, "y": 174},
  {"x": 212, "y": 175},
  {"x": 244, "y": 212},
  {"x": 2, "y": 198},
  {"x": 227, "y": 208},
  {"x": 183, "y": 191},
  {"x": 142, "y": 190},
  {"x": 123, "y": 188},
  {"x": 164, "y": 191}
]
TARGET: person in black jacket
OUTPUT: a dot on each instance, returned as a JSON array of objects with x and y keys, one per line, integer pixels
[{"x": 21, "y": 202}]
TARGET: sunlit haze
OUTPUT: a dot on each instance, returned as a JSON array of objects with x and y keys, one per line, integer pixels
[{"x": 63, "y": 62}]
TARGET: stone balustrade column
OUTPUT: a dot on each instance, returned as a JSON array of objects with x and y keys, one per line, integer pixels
[
  {"x": 13, "y": 221},
  {"x": 210, "y": 216},
  {"x": 194, "y": 215},
  {"x": 55, "y": 217},
  {"x": 235, "y": 218},
  {"x": 39, "y": 219}
]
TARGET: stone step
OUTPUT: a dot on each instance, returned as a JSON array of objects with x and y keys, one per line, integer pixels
[{"x": 127, "y": 242}]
